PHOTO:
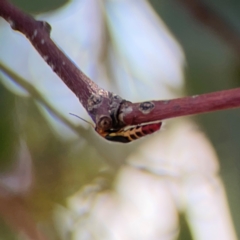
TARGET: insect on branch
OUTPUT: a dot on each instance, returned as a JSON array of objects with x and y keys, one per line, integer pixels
[{"x": 110, "y": 112}]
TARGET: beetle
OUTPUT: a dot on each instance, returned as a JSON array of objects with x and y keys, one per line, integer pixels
[{"x": 126, "y": 134}]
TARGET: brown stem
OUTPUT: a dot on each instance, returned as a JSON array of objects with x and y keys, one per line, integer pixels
[
  {"x": 107, "y": 110},
  {"x": 94, "y": 99},
  {"x": 136, "y": 113},
  {"x": 214, "y": 21}
]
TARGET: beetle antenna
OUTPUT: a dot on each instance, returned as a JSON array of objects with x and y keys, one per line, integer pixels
[{"x": 81, "y": 119}]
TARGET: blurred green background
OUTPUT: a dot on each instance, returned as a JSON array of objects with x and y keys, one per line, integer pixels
[{"x": 212, "y": 65}]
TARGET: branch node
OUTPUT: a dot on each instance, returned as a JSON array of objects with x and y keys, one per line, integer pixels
[
  {"x": 104, "y": 123},
  {"x": 125, "y": 109},
  {"x": 45, "y": 26},
  {"x": 94, "y": 101},
  {"x": 115, "y": 103},
  {"x": 11, "y": 23},
  {"x": 146, "y": 107}
]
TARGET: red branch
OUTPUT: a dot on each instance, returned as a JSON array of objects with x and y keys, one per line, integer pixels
[
  {"x": 38, "y": 33},
  {"x": 182, "y": 106},
  {"x": 109, "y": 111}
]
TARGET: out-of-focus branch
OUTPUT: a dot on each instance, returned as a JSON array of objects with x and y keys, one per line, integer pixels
[
  {"x": 35, "y": 94},
  {"x": 100, "y": 146},
  {"x": 15, "y": 213},
  {"x": 214, "y": 21}
]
